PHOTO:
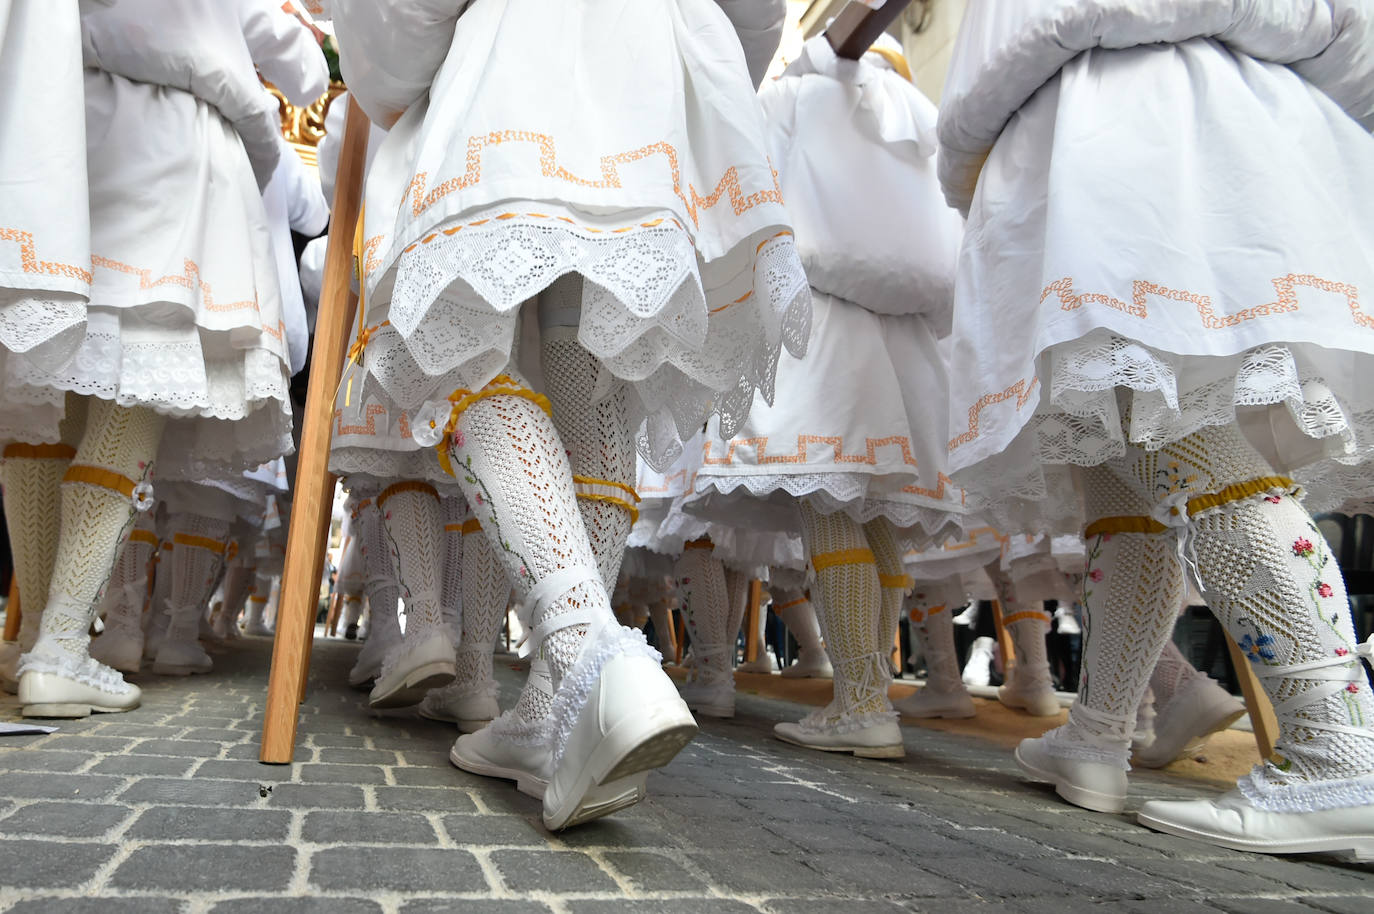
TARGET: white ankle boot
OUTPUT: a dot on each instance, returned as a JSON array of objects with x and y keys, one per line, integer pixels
[
  {"x": 810, "y": 664},
  {"x": 412, "y": 668},
  {"x": 765, "y": 662},
  {"x": 1028, "y": 688},
  {"x": 471, "y": 706},
  {"x": 944, "y": 694},
  {"x": 1095, "y": 785},
  {"x": 1194, "y": 713},
  {"x": 710, "y": 690},
  {"x": 978, "y": 669},
  {"x": 1233, "y": 821},
  {"x": 858, "y": 720}
]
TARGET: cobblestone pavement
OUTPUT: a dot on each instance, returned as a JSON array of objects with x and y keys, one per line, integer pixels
[{"x": 167, "y": 809}]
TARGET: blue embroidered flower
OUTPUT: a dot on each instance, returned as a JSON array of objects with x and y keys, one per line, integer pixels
[{"x": 1258, "y": 650}]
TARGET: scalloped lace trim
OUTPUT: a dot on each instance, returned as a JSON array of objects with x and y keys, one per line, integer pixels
[
  {"x": 598, "y": 649},
  {"x": 86, "y": 671},
  {"x": 832, "y": 493},
  {"x": 1267, "y": 788}
]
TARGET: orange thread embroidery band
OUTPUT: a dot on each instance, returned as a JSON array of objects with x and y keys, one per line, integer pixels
[
  {"x": 502, "y": 385},
  {"x": 1021, "y": 390},
  {"x": 1028, "y": 614},
  {"x": 904, "y": 581},
  {"x": 843, "y": 557},
  {"x": 360, "y": 506},
  {"x": 199, "y": 542},
  {"x": 699, "y": 544},
  {"x": 471, "y": 525},
  {"x": 587, "y": 488},
  {"x": 1142, "y": 524},
  {"x": 257, "y": 599},
  {"x": 39, "y": 451},
  {"x": 789, "y": 604},
  {"x": 143, "y": 536},
  {"x": 101, "y": 477},
  {"x": 410, "y": 485},
  {"x": 453, "y": 528},
  {"x": 29, "y": 262}
]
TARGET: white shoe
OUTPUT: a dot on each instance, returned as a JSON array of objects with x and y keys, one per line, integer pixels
[
  {"x": 1231, "y": 821},
  {"x": 978, "y": 669},
  {"x": 410, "y": 672},
  {"x": 119, "y": 650},
  {"x": 51, "y": 695},
  {"x": 766, "y": 662},
  {"x": 368, "y": 666},
  {"x": 469, "y": 705},
  {"x": 712, "y": 698},
  {"x": 813, "y": 664},
  {"x": 1194, "y": 713},
  {"x": 181, "y": 659},
  {"x": 9, "y": 666},
  {"x": 1092, "y": 785},
  {"x": 1031, "y": 691},
  {"x": 632, "y": 722},
  {"x": 928, "y": 702},
  {"x": 878, "y": 740},
  {"x": 488, "y": 753}
]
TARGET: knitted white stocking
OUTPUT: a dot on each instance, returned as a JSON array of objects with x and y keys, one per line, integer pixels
[
  {"x": 238, "y": 581},
  {"x": 849, "y": 605},
  {"x": 379, "y": 583},
  {"x": 453, "y": 510},
  {"x": 705, "y": 594},
  {"x": 199, "y": 544},
  {"x": 155, "y": 622},
  {"x": 795, "y": 609},
  {"x": 97, "y": 504},
  {"x": 737, "y": 597},
  {"x": 257, "y": 603},
  {"x": 892, "y": 577},
  {"x": 410, "y": 512},
  {"x": 1029, "y": 686}
]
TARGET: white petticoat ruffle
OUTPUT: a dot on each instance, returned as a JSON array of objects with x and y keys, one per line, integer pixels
[{"x": 688, "y": 351}]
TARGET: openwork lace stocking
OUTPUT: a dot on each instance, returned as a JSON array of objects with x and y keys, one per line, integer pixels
[
  {"x": 706, "y": 609},
  {"x": 199, "y": 544},
  {"x": 1027, "y": 623},
  {"x": 128, "y": 585},
  {"x": 892, "y": 577},
  {"x": 453, "y": 510},
  {"x": 930, "y": 613},
  {"x": 1131, "y": 591},
  {"x": 486, "y": 589},
  {"x": 737, "y": 597},
  {"x": 155, "y": 623},
  {"x": 98, "y": 493},
  {"x": 257, "y": 600},
  {"x": 1269, "y": 577},
  {"x": 379, "y": 575},
  {"x": 410, "y": 513},
  {"x": 794, "y": 608},
  {"x": 238, "y": 581},
  {"x": 849, "y": 606},
  {"x": 1173, "y": 673},
  {"x": 31, "y": 474}
]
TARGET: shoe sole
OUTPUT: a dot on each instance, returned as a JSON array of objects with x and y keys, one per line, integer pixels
[
  {"x": 1360, "y": 846},
  {"x": 720, "y": 713},
  {"x": 525, "y": 782},
  {"x": 1078, "y": 796},
  {"x": 464, "y": 724},
  {"x": 69, "y": 710},
  {"x": 857, "y": 751},
  {"x": 936, "y": 715},
  {"x": 1016, "y": 704},
  {"x": 1147, "y": 759},
  {"x": 412, "y": 689},
  {"x": 614, "y": 776}
]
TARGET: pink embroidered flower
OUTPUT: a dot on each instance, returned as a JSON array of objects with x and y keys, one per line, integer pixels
[
  {"x": 1273, "y": 499},
  {"x": 1342, "y": 651},
  {"x": 1302, "y": 547},
  {"x": 1095, "y": 574},
  {"x": 459, "y": 439},
  {"x": 524, "y": 572},
  {"x": 1324, "y": 589},
  {"x": 1353, "y": 688},
  {"x": 478, "y": 498}
]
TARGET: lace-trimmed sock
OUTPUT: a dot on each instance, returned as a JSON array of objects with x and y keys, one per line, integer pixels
[
  {"x": 703, "y": 585},
  {"x": 1029, "y": 686},
  {"x": 121, "y": 644},
  {"x": 199, "y": 546},
  {"x": 383, "y": 594},
  {"x": 485, "y": 589},
  {"x": 98, "y": 494}
]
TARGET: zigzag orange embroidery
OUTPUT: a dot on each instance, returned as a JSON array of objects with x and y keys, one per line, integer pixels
[
  {"x": 189, "y": 279},
  {"x": 1068, "y": 301},
  {"x": 29, "y": 262},
  {"x": 610, "y": 174},
  {"x": 370, "y": 261},
  {"x": 1021, "y": 390},
  {"x": 835, "y": 442},
  {"x": 689, "y": 479},
  {"x": 972, "y": 540},
  {"x": 370, "y": 414}
]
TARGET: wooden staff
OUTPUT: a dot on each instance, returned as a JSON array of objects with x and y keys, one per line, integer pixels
[
  {"x": 314, "y": 489},
  {"x": 859, "y": 25},
  {"x": 751, "y": 620},
  {"x": 1262, "y": 719}
]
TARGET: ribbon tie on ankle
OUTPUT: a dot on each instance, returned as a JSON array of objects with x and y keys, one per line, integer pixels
[{"x": 536, "y": 605}]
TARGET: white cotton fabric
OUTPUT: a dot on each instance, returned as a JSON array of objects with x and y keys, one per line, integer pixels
[
  {"x": 294, "y": 202},
  {"x": 647, "y": 173},
  {"x": 1179, "y": 220}
]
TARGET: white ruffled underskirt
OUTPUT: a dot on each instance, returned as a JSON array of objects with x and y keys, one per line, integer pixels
[
  {"x": 1292, "y": 412},
  {"x": 687, "y": 351}
]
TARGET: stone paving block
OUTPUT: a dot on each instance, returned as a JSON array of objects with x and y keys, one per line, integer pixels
[
  {"x": 1340, "y": 904},
  {"x": 1003, "y": 843},
  {"x": 242, "y": 770},
  {"x": 481, "y": 831},
  {"x": 423, "y": 799},
  {"x": 832, "y": 906},
  {"x": 317, "y": 796},
  {"x": 42, "y": 760},
  {"x": 346, "y": 827},
  {"x": 216, "y": 735},
  {"x": 342, "y": 869},
  {"x": 249, "y": 751},
  {"x": 1206, "y": 876},
  {"x": 80, "y": 742},
  {"x": 551, "y": 871},
  {"x": 704, "y": 905},
  {"x": 448, "y": 776},
  {"x": 1098, "y": 877},
  {"x": 342, "y": 774},
  {"x": 191, "y": 792},
  {"x": 69, "y": 820},
  {"x": 173, "y": 823},
  {"x": 1307, "y": 877},
  {"x": 820, "y": 837},
  {"x": 191, "y": 748},
  {"x": 473, "y": 906},
  {"x": 341, "y": 740},
  {"x": 143, "y": 766},
  {"x": 763, "y": 872},
  {"x": 889, "y": 874},
  {"x": 636, "y": 828},
  {"x": 346, "y": 755},
  {"x": 50, "y": 864},
  {"x": 59, "y": 905},
  {"x": 1162, "y": 906},
  {"x": 650, "y": 872},
  {"x": 989, "y": 877},
  {"x": 207, "y": 868},
  {"x": 145, "y": 731},
  {"x": 278, "y": 905},
  {"x": 37, "y": 785}
]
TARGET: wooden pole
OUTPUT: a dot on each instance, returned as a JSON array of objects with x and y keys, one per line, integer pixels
[
  {"x": 751, "y": 621},
  {"x": 12, "y": 611},
  {"x": 1004, "y": 640},
  {"x": 1262, "y": 719},
  {"x": 859, "y": 25},
  {"x": 312, "y": 502}
]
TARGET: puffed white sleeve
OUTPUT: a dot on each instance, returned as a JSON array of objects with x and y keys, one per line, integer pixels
[
  {"x": 758, "y": 23},
  {"x": 284, "y": 51},
  {"x": 391, "y": 50}
]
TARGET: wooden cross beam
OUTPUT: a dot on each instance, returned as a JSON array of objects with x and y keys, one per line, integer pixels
[{"x": 858, "y": 25}]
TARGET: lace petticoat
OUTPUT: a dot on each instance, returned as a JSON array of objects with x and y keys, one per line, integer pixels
[
  {"x": 693, "y": 338},
  {"x": 1329, "y": 449}
]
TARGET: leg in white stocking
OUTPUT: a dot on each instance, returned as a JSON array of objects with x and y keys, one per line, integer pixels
[
  {"x": 704, "y": 586},
  {"x": 424, "y": 658},
  {"x": 1029, "y": 687},
  {"x": 98, "y": 494},
  {"x": 1268, "y": 576},
  {"x": 257, "y": 604},
  {"x": 859, "y": 719},
  {"x": 795, "y": 609},
  {"x": 615, "y": 714},
  {"x": 945, "y": 694},
  {"x": 383, "y": 593},
  {"x": 1188, "y": 708},
  {"x": 199, "y": 545},
  {"x": 121, "y": 644}
]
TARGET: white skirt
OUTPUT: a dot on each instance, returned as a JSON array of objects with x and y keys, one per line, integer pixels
[
  {"x": 184, "y": 312},
  {"x": 1188, "y": 225},
  {"x": 630, "y": 150},
  {"x": 858, "y": 426}
]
